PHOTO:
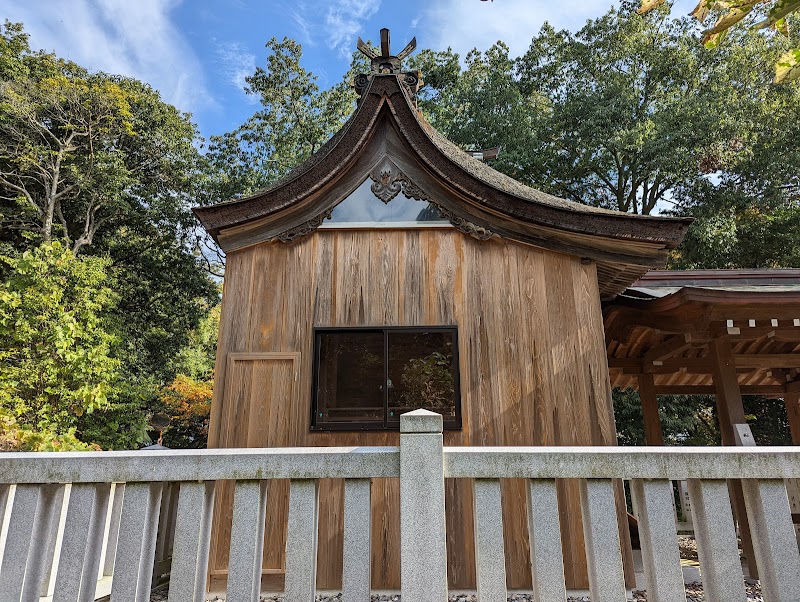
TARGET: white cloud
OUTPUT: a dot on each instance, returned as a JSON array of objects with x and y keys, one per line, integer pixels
[
  {"x": 303, "y": 23},
  {"x": 466, "y": 25},
  {"x": 345, "y": 19},
  {"x": 132, "y": 38},
  {"x": 236, "y": 63}
]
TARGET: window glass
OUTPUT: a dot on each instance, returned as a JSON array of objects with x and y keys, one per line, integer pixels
[
  {"x": 421, "y": 373},
  {"x": 367, "y": 378},
  {"x": 364, "y": 207},
  {"x": 350, "y": 377}
]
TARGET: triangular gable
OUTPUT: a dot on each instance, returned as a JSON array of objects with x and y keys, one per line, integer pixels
[{"x": 388, "y": 142}]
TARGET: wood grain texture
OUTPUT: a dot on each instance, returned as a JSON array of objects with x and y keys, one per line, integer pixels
[
  {"x": 653, "y": 434},
  {"x": 532, "y": 362}
]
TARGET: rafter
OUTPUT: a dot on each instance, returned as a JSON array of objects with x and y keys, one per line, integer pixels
[
  {"x": 774, "y": 391},
  {"x": 669, "y": 348},
  {"x": 767, "y": 361}
]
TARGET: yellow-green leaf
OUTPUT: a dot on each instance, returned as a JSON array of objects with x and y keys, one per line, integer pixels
[
  {"x": 711, "y": 41},
  {"x": 732, "y": 17},
  {"x": 778, "y": 12},
  {"x": 702, "y": 10},
  {"x": 787, "y": 68},
  {"x": 648, "y": 5}
]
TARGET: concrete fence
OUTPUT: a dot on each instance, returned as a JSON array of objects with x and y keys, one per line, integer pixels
[{"x": 125, "y": 527}]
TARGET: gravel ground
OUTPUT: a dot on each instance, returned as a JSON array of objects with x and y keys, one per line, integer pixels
[
  {"x": 688, "y": 547},
  {"x": 694, "y": 593},
  {"x": 686, "y": 544}
]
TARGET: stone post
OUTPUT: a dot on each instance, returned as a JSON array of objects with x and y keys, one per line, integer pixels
[{"x": 423, "y": 551}]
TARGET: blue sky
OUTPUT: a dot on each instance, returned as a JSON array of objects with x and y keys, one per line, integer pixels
[{"x": 197, "y": 52}]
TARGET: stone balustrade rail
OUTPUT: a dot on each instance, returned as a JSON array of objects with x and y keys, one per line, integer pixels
[{"x": 71, "y": 518}]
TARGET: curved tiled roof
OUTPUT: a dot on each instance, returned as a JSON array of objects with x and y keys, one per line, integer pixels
[{"x": 624, "y": 245}]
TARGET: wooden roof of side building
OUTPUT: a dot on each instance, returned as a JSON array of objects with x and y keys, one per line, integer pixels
[
  {"x": 388, "y": 140},
  {"x": 664, "y": 322}
]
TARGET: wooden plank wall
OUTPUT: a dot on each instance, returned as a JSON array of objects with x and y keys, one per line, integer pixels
[{"x": 532, "y": 362}]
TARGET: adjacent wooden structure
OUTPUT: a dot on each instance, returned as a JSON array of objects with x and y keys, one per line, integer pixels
[
  {"x": 669, "y": 323},
  {"x": 519, "y": 272},
  {"x": 719, "y": 332}
]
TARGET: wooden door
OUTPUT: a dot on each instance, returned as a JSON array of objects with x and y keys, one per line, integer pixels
[{"x": 260, "y": 391}]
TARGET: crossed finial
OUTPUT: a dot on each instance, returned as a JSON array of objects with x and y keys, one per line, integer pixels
[{"x": 385, "y": 62}]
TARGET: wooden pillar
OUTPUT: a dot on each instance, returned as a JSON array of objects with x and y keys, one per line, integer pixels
[
  {"x": 792, "y": 402},
  {"x": 731, "y": 411},
  {"x": 729, "y": 398},
  {"x": 653, "y": 434}
]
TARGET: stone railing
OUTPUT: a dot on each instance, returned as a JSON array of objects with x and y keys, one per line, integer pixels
[{"x": 127, "y": 531}]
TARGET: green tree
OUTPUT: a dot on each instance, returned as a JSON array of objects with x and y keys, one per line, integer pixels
[
  {"x": 13, "y": 46},
  {"x": 102, "y": 165},
  {"x": 630, "y": 116},
  {"x": 625, "y": 113},
  {"x": 123, "y": 423},
  {"x": 693, "y": 419},
  {"x": 16, "y": 437},
  {"x": 56, "y": 360},
  {"x": 57, "y": 152},
  {"x": 685, "y": 419},
  {"x": 483, "y": 106},
  {"x": 186, "y": 401},
  {"x": 166, "y": 296},
  {"x": 295, "y": 119},
  {"x": 748, "y": 210},
  {"x": 197, "y": 358},
  {"x": 615, "y": 115},
  {"x": 760, "y": 14}
]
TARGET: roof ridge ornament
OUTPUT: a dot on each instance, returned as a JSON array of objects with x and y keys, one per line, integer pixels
[{"x": 386, "y": 63}]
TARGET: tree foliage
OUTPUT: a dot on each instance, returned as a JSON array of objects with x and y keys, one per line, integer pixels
[
  {"x": 187, "y": 404},
  {"x": 296, "y": 118},
  {"x": 630, "y": 118},
  {"x": 482, "y": 106},
  {"x": 80, "y": 150},
  {"x": 693, "y": 419},
  {"x": 768, "y": 14},
  {"x": 58, "y": 162},
  {"x": 122, "y": 423},
  {"x": 56, "y": 360},
  {"x": 621, "y": 114},
  {"x": 196, "y": 359},
  {"x": 16, "y": 437},
  {"x": 186, "y": 401},
  {"x": 748, "y": 210},
  {"x": 100, "y": 165}
]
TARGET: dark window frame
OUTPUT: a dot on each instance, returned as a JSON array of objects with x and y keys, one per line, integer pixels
[{"x": 388, "y": 425}]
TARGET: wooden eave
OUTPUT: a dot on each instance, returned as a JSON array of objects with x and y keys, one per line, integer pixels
[
  {"x": 718, "y": 301},
  {"x": 721, "y": 278},
  {"x": 387, "y": 126},
  {"x": 669, "y": 337}
]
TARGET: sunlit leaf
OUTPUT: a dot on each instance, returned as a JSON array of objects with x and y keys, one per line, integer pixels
[
  {"x": 781, "y": 9},
  {"x": 713, "y": 40},
  {"x": 648, "y": 5},
  {"x": 702, "y": 10},
  {"x": 788, "y": 67},
  {"x": 732, "y": 17},
  {"x": 782, "y": 26}
]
